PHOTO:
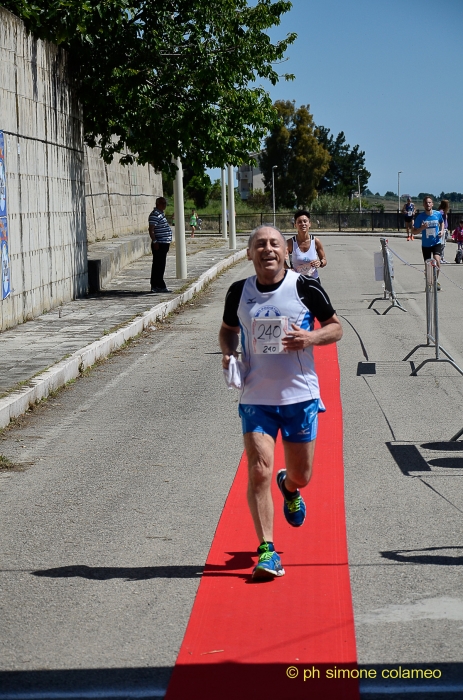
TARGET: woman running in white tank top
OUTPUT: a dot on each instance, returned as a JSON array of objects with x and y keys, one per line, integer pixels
[{"x": 306, "y": 251}]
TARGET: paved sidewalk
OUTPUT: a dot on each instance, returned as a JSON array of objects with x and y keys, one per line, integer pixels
[{"x": 32, "y": 347}]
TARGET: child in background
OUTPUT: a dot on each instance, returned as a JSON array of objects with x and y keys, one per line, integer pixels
[{"x": 193, "y": 222}]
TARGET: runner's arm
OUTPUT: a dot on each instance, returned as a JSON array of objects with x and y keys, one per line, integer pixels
[
  {"x": 228, "y": 341},
  {"x": 320, "y": 252},
  {"x": 420, "y": 228}
]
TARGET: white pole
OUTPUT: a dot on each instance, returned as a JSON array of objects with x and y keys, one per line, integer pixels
[
  {"x": 224, "y": 203},
  {"x": 231, "y": 208},
  {"x": 180, "y": 243},
  {"x": 273, "y": 192},
  {"x": 360, "y": 194}
]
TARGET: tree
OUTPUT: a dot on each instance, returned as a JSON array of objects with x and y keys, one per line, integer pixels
[
  {"x": 168, "y": 77},
  {"x": 451, "y": 196},
  {"x": 198, "y": 189},
  {"x": 390, "y": 194},
  {"x": 300, "y": 159},
  {"x": 216, "y": 191},
  {"x": 346, "y": 165},
  {"x": 258, "y": 199},
  {"x": 167, "y": 185}
]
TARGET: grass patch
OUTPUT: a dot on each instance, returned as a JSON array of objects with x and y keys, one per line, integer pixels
[{"x": 5, "y": 463}]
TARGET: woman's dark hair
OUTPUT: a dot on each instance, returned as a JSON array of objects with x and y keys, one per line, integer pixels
[
  {"x": 444, "y": 205},
  {"x": 301, "y": 212}
]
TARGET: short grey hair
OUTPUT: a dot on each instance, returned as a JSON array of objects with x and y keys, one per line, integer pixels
[{"x": 258, "y": 228}]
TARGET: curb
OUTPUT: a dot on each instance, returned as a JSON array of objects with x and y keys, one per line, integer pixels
[{"x": 18, "y": 402}]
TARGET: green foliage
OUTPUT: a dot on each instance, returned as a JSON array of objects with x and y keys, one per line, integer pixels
[
  {"x": 168, "y": 77},
  {"x": 452, "y": 196},
  {"x": 167, "y": 185},
  {"x": 216, "y": 191},
  {"x": 198, "y": 189},
  {"x": 259, "y": 200},
  {"x": 336, "y": 202},
  {"x": 300, "y": 159},
  {"x": 346, "y": 164},
  {"x": 393, "y": 194}
]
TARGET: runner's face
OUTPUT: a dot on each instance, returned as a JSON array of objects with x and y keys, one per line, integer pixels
[
  {"x": 428, "y": 203},
  {"x": 303, "y": 224},
  {"x": 267, "y": 252}
]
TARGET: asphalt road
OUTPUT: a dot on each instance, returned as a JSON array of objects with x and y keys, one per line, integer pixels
[{"x": 107, "y": 526}]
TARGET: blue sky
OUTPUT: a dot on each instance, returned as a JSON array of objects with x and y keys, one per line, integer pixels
[{"x": 388, "y": 74}]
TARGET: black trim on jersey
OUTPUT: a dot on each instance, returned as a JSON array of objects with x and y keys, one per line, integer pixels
[{"x": 310, "y": 292}]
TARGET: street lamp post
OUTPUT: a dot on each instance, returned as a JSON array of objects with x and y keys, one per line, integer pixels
[
  {"x": 273, "y": 192},
  {"x": 398, "y": 188},
  {"x": 224, "y": 203}
]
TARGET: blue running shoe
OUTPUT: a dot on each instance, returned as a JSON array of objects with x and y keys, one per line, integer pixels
[
  {"x": 293, "y": 509},
  {"x": 268, "y": 566}
]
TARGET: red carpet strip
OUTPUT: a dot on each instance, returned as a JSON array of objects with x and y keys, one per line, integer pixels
[{"x": 292, "y": 637}]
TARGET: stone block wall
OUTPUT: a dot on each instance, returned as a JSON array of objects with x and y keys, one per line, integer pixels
[
  {"x": 44, "y": 161},
  {"x": 118, "y": 198},
  {"x": 57, "y": 190}
]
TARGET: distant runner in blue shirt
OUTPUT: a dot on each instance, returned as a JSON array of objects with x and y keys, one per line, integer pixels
[
  {"x": 408, "y": 210},
  {"x": 430, "y": 224}
]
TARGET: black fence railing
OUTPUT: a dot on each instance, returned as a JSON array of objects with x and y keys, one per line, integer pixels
[{"x": 330, "y": 221}]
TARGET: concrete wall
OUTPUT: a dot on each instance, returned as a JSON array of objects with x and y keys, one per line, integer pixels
[
  {"x": 118, "y": 198},
  {"x": 44, "y": 161},
  {"x": 55, "y": 186}
]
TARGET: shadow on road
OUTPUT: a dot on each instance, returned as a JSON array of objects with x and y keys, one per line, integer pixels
[
  {"x": 428, "y": 555},
  {"x": 136, "y": 573}
]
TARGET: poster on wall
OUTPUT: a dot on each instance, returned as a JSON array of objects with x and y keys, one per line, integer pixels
[
  {"x": 4, "y": 257},
  {"x": 5, "y": 261}
]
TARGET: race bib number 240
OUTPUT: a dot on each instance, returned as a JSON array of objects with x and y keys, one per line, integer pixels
[{"x": 267, "y": 335}]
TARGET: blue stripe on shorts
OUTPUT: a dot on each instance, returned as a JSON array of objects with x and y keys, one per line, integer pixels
[{"x": 298, "y": 422}]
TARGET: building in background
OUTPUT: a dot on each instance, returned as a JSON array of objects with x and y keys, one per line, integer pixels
[{"x": 249, "y": 178}]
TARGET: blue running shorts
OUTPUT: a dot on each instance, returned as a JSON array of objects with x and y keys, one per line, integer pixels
[{"x": 298, "y": 422}]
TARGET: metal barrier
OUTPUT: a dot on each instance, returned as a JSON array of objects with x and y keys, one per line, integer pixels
[
  {"x": 388, "y": 275},
  {"x": 350, "y": 221},
  {"x": 432, "y": 323}
]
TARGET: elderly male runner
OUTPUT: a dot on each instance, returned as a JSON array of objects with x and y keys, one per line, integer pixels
[
  {"x": 274, "y": 313},
  {"x": 430, "y": 223}
]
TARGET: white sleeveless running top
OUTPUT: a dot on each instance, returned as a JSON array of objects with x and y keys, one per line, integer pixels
[
  {"x": 301, "y": 261},
  {"x": 285, "y": 378}
]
